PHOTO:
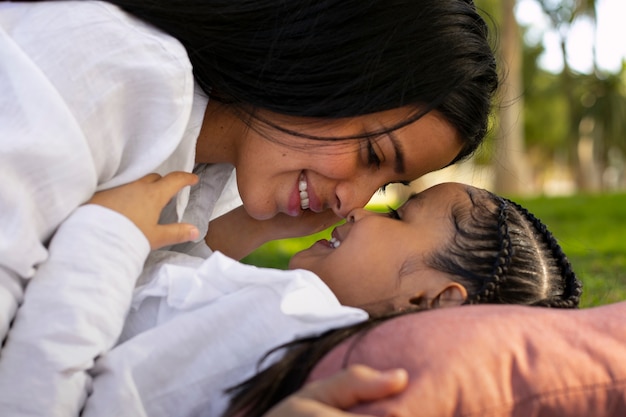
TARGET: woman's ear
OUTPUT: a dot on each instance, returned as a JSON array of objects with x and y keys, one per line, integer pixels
[{"x": 453, "y": 294}]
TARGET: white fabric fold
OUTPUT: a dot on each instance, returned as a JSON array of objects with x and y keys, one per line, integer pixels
[{"x": 200, "y": 326}]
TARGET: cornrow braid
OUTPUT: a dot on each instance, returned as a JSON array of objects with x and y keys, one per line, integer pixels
[
  {"x": 491, "y": 287},
  {"x": 573, "y": 287},
  {"x": 503, "y": 254}
]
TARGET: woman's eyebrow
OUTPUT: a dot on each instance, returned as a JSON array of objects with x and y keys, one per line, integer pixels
[{"x": 399, "y": 167}]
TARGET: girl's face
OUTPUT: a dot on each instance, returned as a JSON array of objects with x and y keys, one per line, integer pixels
[
  {"x": 282, "y": 173},
  {"x": 379, "y": 264}
]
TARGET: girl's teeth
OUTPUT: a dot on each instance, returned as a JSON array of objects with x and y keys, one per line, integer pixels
[
  {"x": 334, "y": 242},
  {"x": 304, "y": 196}
]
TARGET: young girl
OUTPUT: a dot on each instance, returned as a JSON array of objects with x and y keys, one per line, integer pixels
[
  {"x": 494, "y": 249},
  {"x": 200, "y": 326}
]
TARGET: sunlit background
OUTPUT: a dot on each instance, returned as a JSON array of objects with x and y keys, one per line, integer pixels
[
  {"x": 606, "y": 36},
  {"x": 565, "y": 132}
]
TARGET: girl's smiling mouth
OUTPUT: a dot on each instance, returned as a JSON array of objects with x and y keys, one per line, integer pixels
[
  {"x": 335, "y": 239},
  {"x": 334, "y": 242}
]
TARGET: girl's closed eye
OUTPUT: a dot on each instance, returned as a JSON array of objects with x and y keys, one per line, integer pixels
[
  {"x": 394, "y": 214},
  {"x": 384, "y": 187}
]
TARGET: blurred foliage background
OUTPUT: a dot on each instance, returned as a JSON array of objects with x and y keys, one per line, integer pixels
[{"x": 555, "y": 131}]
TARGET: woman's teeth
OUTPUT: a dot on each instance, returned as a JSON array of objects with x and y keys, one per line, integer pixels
[
  {"x": 304, "y": 196},
  {"x": 334, "y": 242}
]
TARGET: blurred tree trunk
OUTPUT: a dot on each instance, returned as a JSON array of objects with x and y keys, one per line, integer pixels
[
  {"x": 512, "y": 174},
  {"x": 582, "y": 155},
  {"x": 605, "y": 106}
]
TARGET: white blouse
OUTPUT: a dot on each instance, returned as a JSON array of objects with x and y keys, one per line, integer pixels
[
  {"x": 198, "y": 327},
  {"x": 90, "y": 98}
]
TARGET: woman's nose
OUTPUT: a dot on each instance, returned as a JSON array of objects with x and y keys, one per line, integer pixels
[
  {"x": 357, "y": 214},
  {"x": 350, "y": 196}
]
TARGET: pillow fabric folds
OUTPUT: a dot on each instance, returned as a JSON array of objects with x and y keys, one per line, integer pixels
[{"x": 497, "y": 361}]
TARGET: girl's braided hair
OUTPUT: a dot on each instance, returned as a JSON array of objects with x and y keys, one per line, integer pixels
[{"x": 502, "y": 254}]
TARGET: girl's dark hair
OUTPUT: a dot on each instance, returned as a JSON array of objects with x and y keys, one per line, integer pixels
[
  {"x": 500, "y": 252},
  {"x": 257, "y": 395},
  {"x": 337, "y": 58}
]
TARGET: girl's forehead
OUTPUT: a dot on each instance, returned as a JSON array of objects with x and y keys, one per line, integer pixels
[
  {"x": 443, "y": 192},
  {"x": 449, "y": 198}
]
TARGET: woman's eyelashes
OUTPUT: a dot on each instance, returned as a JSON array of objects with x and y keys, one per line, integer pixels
[{"x": 372, "y": 156}]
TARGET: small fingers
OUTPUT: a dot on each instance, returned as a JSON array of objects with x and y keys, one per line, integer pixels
[
  {"x": 150, "y": 178},
  {"x": 355, "y": 385},
  {"x": 182, "y": 177},
  {"x": 173, "y": 182},
  {"x": 160, "y": 189},
  {"x": 172, "y": 234},
  {"x": 347, "y": 388}
]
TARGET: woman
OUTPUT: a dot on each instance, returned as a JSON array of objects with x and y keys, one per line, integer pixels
[{"x": 96, "y": 97}]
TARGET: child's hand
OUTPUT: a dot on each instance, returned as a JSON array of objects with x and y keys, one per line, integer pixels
[
  {"x": 355, "y": 385},
  {"x": 143, "y": 200}
]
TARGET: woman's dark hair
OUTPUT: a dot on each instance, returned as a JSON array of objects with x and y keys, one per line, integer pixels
[
  {"x": 337, "y": 58},
  {"x": 500, "y": 252}
]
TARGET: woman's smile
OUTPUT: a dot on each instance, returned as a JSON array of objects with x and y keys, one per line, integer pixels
[{"x": 303, "y": 197}]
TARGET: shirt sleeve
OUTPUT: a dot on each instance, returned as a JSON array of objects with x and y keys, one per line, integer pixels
[
  {"x": 82, "y": 292},
  {"x": 45, "y": 169},
  {"x": 90, "y": 98}
]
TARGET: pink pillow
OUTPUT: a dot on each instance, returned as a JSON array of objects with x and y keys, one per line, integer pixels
[{"x": 497, "y": 361}]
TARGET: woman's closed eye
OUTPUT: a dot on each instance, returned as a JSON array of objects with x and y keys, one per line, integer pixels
[{"x": 372, "y": 156}]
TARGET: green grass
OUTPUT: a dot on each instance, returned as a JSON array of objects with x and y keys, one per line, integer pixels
[
  {"x": 592, "y": 231},
  {"x": 590, "y": 228},
  {"x": 276, "y": 254}
]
